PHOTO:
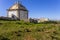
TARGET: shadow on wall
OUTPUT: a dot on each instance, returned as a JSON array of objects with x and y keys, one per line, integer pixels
[{"x": 14, "y": 17}]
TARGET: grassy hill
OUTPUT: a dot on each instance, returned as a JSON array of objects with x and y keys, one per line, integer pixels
[{"x": 19, "y": 30}]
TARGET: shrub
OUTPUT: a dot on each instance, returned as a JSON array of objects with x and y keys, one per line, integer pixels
[
  {"x": 18, "y": 23},
  {"x": 1, "y": 23},
  {"x": 3, "y": 38},
  {"x": 27, "y": 30},
  {"x": 49, "y": 22}
]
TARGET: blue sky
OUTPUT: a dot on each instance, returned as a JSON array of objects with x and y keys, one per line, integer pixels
[{"x": 37, "y": 8}]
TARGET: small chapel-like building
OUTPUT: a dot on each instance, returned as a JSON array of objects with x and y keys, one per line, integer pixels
[{"x": 17, "y": 12}]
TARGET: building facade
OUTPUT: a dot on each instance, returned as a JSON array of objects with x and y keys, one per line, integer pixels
[
  {"x": 18, "y": 12},
  {"x": 43, "y": 20}
]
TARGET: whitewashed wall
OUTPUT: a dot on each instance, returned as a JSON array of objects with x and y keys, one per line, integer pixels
[
  {"x": 23, "y": 14},
  {"x": 12, "y": 12}
]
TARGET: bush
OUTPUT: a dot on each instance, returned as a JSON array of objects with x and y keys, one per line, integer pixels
[
  {"x": 3, "y": 38},
  {"x": 49, "y": 22},
  {"x": 1, "y": 23},
  {"x": 27, "y": 30}
]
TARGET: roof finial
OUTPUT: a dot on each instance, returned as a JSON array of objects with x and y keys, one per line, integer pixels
[{"x": 18, "y": 1}]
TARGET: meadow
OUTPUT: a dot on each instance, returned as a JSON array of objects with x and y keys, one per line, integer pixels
[{"x": 19, "y": 30}]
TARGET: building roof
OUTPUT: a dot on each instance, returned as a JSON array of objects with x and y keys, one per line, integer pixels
[{"x": 17, "y": 6}]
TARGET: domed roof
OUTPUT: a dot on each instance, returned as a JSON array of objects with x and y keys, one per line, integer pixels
[{"x": 17, "y": 6}]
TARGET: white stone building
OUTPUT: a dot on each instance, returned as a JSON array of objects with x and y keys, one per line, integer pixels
[
  {"x": 17, "y": 11},
  {"x": 43, "y": 20}
]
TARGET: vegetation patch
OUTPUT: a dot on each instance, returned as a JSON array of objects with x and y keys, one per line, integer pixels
[{"x": 19, "y": 30}]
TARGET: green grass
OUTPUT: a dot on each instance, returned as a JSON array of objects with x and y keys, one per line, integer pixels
[{"x": 19, "y": 30}]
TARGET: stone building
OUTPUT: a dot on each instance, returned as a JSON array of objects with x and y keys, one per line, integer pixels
[
  {"x": 43, "y": 20},
  {"x": 17, "y": 12}
]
